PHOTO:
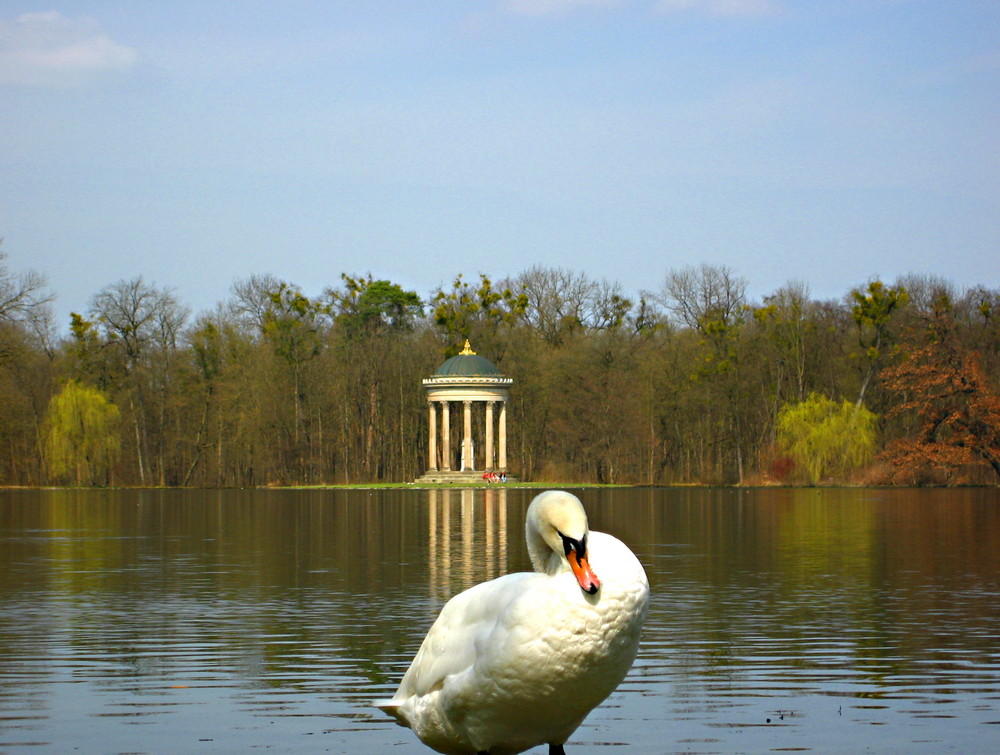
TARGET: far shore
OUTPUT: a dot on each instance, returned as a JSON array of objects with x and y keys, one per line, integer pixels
[{"x": 492, "y": 486}]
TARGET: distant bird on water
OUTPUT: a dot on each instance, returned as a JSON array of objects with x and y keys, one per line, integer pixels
[{"x": 520, "y": 661}]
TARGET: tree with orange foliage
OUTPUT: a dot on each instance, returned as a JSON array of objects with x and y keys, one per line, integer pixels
[{"x": 957, "y": 408}]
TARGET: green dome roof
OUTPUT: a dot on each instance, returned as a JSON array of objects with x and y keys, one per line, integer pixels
[{"x": 466, "y": 364}]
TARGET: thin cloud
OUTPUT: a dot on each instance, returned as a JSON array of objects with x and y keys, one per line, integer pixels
[
  {"x": 557, "y": 7},
  {"x": 713, "y": 8},
  {"x": 49, "y": 49},
  {"x": 722, "y": 8}
]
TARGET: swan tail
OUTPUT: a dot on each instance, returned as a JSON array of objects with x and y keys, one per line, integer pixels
[{"x": 394, "y": 709}]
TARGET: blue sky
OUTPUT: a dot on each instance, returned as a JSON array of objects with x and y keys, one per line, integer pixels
[{"x": 196, "y": 143}]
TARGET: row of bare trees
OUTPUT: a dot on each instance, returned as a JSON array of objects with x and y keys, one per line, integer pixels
[{"x": 680, "y": 384}]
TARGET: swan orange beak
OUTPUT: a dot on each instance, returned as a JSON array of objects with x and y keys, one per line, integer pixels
[{"x": 589, "y": 582}]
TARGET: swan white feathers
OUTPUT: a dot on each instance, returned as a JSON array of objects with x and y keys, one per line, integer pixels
[{"x": 521, "y": 660}]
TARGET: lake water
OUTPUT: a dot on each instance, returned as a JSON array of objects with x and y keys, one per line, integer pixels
[{"x": 827, "y": 621}]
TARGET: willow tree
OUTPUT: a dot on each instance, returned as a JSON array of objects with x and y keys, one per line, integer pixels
[
  {"x": 81, "y": 434},
  {"x": 824, "y": 438}
]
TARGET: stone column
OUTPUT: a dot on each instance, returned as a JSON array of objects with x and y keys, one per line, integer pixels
[
  {"x": 467, "y": 437},
  {"x": 502, "y": 461},
  {"x": 488, "y": 464},
  {"x": 445, "y": 438},
  {"x": 432, "y": 448}
]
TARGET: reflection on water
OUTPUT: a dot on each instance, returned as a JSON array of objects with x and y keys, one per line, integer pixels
[
  {"x": 194, "y": 621},
  {"x": 473, "y": 548}
]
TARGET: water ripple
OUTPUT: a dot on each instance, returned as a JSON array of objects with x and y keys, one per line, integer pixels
[{"x": 233, "y": 626}]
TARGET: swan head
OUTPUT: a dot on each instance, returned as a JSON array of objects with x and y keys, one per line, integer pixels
[{"x": 556, "y": 531}]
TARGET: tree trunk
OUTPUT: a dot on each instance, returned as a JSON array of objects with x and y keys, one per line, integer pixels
[{"x": 138, "y": 440}]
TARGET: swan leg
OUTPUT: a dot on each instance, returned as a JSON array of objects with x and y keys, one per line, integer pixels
[{"x": 556, "y": 750}]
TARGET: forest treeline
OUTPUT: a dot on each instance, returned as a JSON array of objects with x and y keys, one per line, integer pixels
[{"x": 688, "y": 382}]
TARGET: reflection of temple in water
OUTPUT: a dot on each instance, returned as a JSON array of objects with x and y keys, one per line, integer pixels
[{"x": 467, "y": 538}]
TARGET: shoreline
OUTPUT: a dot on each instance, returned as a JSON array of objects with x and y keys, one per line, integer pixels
[{"x": 507, "y": 485}]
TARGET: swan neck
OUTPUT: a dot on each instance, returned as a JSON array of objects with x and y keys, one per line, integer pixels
[{"x": 543, "y": 558}]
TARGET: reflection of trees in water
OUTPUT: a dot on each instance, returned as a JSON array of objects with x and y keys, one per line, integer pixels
[
  {"x": 851, "y": 592},
  {"x": 756, "y": 593}
]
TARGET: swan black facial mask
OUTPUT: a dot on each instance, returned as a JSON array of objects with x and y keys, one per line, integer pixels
[{"x": 576, "y": 554}]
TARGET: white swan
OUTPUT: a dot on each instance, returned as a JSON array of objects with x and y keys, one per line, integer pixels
[{"x": 521, "y": 660}]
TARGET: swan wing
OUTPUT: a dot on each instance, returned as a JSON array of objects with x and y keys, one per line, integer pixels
[{"x": 459, "y": 635}]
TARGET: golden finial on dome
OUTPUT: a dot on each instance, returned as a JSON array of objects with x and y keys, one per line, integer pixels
[{"x": 468, "y": 348}]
